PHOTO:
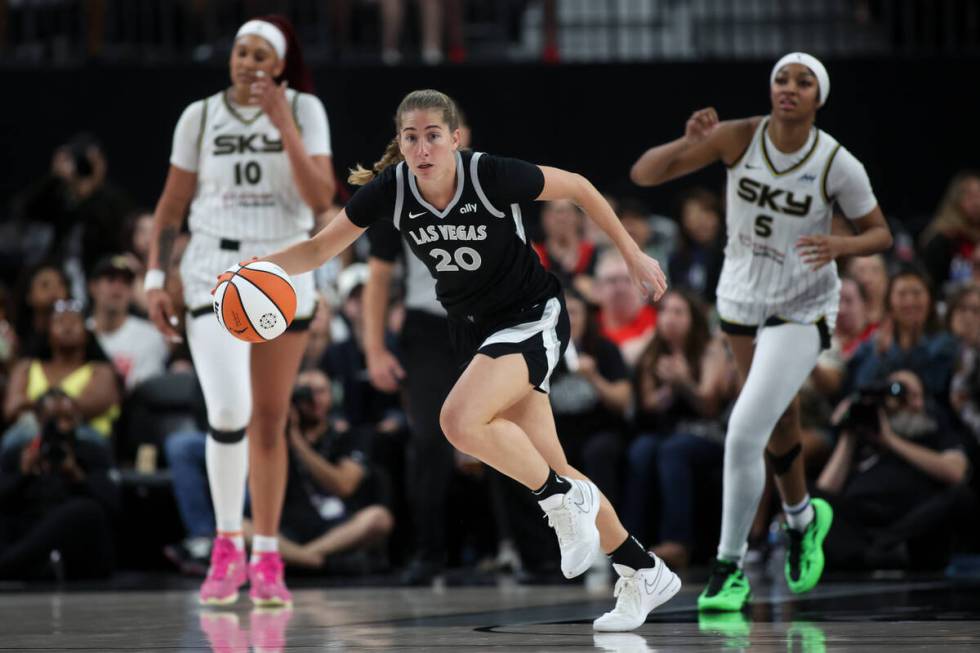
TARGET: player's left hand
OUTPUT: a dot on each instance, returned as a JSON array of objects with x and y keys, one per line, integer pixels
[
  {"x": 647, "y": 273},
  {"x": 818, "y": 250},
  {"x": 271, "y": 98}
]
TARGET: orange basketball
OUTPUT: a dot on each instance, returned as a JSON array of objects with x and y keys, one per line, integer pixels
[{"x": 255, "y": 302}]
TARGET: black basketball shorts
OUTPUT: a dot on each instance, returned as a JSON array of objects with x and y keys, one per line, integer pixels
[{"x": 540, "y": 333}]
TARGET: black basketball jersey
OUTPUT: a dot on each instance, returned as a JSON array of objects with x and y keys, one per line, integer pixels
[{"x": 475, "y": 248}]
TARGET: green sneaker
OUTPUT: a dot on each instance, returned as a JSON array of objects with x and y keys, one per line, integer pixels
[
  {"x": 804, "y": 552},
  {"x": 727, "y": 590}
]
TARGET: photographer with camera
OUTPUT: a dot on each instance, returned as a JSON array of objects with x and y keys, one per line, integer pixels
[
  {"x": 894, "y": 478},
  {"x": 57, "y": 499},
  {"x": 333, "y": 496}
]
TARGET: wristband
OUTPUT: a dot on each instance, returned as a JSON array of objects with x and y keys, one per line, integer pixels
[{"x": 154, "y": 279}]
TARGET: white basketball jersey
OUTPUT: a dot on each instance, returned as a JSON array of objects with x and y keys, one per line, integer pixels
[
  {"x": 245, "y": 188},
  {"x": 767, "y": 212}
]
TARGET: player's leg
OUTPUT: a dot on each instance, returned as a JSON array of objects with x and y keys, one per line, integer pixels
[
  {"x": 783, "y": 357},
  {"x": 647, "y": 582},
  {"x": 222, "y": 366},
  {"x": 274, "y": 367}
]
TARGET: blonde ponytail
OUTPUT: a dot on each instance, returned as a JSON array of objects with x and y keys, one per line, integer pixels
[
  {"x": 392, "y": 155},
  {"x": 422, "y": 99}
]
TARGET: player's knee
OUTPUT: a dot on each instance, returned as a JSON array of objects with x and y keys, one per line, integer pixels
[
  {"x": 267, "y": 425},
  {"x": 380, "y": 521},
  {"x": 782, "y": 462},
  {"x": 457, "y": 426},
  {"x": 228, "y": 418}
]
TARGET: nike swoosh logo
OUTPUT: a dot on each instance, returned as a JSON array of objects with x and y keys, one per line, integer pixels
[
  {"x": 750, "y": 167},
  {"x": 583, "y": 505},
  {"x": 237, "y": 331},
  {"x": 415, "y": 215}
]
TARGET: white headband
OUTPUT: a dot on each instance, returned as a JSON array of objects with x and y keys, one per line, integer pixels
[
  {"x": 811, "y": 62},
  {"x": 268, "y": 31}
]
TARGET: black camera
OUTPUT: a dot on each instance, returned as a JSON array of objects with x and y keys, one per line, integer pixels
[
  {"x": 56, "y": 443},
  {"x": 302, "y": 396},
  {"x": 862, "y": 415}
]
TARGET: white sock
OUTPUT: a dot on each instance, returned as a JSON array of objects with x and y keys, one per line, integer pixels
[
  {"x": 784, "y": 357},
  {"x": 227, "y": 471},
  {"x": 799, "y": 516},
  {"x": 264, "y": 544}
]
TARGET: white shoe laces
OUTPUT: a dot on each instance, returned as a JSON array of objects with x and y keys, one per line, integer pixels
[
  {"x": 561, "y": 520},
  {"x": 628, "y": 594}
]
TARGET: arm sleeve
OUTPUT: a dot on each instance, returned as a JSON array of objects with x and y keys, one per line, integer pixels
[
  {"x": 373, "y": 201},
  {"x": 312, "y": 119},
  {"x": 507, "y": 181},
  {"x": 849, "y": 185},
  {"x": 187, "y": 147},
  {"x": 385, "y": 241}
]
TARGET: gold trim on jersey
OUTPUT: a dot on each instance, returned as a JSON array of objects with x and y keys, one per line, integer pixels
[
  {"x": 204, "y": 119},
  {"x": 765, "y": 152},
  {"x": 826, "y": 173},
  {"x": 235, "y": 114}
]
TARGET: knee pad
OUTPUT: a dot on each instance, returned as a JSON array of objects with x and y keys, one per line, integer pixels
[
  {"x": 227, "y": 437},
  {"x": 782, "y": 462}
]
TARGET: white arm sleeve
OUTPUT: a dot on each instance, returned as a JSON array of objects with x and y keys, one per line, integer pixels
[
  {"x": 312, "y": 118},
  {"x": 186, "y": 149},
  {"x": 848, "y": 184}
]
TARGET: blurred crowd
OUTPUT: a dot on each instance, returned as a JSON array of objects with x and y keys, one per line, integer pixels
[{"x": 97, "y": 402}]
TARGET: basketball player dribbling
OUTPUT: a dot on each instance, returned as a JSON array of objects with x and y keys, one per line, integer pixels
[
  {"x": 253, "y": 164},
  {"x": 777, "y": 298},
  {"x": 460, "y": 213}
]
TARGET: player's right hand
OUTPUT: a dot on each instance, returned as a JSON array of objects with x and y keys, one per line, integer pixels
[
  {"x": 647, "y": 273},
  {"x": 161, "y": 310},
  {"x": 385, "y": 370},
  {"x": 701, "y": 124}
]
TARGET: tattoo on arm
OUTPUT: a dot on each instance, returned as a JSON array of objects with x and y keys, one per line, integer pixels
[{"x": 166, "y": 246}]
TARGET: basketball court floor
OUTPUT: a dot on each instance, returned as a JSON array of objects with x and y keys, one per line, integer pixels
[{"x": 854, "y": 615}]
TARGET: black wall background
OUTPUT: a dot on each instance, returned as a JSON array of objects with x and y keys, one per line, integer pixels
[{"x": 913, "y": 123}]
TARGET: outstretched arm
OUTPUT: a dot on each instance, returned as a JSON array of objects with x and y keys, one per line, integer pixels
[
  {"x": 314, "y": 252},
  {"x": 561, "y": 184},
  {"x": 705, "y": 141}
]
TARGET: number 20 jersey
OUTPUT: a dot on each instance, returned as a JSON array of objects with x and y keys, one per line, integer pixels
[
  {"x": 476, "y": 247},
  {"x": 768, "y": 210}
]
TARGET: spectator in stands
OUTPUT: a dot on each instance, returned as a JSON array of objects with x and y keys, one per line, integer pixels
[
  {"x": 432, "y": 15},
  {"x": 565, "y": 252},
  {"x": 871, "y": 272},
  {"x": 319, "y": 334},
  {"x": 333, "y": 497},
  {"x": 73, "y": 362},
  {"x": 344, "y": 362},
  {"x": 590, "y": 396},
  {"x": 39, "y": 289},
  {"x": 133, "y": 344},
  {"x": 85, "y": 211},
  {"x": 950, "y": 239},
  {"x": 624, "y": 317},
  {"x": 56, "y": 496},
  {"x": 963, "y": 321},
  {"x": 654, "y": 234},
  {"x": 852, "y": 329},
  {"x": 685, "y": 379},
  {"x": 910, "y": 337},
  {"x": 139, "y": 233},
  {"x": 892, "y": 480},
  {"x": 8, "y": 337},
  {"x": 696, "y": 263}
]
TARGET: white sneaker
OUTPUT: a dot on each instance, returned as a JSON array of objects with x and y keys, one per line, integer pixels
[
  {"x": 572, "y": 515},
  {"x": 638, "y": 592}
]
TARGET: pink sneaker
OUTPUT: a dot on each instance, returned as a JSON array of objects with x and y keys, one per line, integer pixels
[
  {"x": 226, "y": 574},
  {"x": 223, "y": 632},
  {"x": 268, "y": 627},
  {"x": 268, "y": 586}
]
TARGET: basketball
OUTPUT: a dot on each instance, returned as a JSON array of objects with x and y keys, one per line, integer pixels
[{"x": 255, "y": 302}]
